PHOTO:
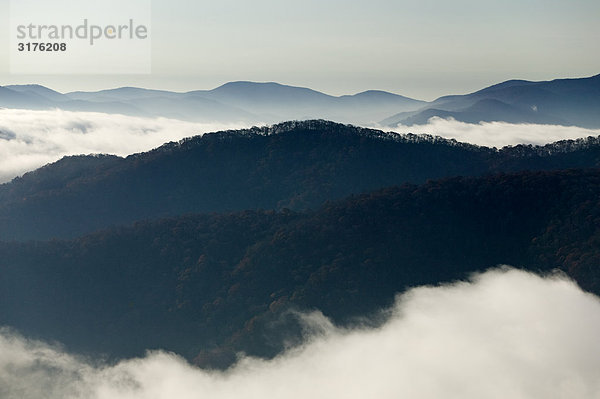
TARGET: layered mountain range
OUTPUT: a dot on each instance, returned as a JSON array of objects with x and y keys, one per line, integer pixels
[
  {"x": 570, "y": 102},
  {"x": 294, "y": 165},
  {"x": 208, "y": 247},
  {"x": 232, "y": 102}
]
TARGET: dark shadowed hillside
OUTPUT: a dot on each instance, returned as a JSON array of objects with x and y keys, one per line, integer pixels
[
  {"x": 207, "y": 286},
  {"x": 295, "y": 165}
]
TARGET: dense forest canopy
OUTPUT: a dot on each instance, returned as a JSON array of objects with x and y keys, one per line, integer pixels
[
  {"x": 293, "y": 165},
  {"x": 210, "y": 285}
]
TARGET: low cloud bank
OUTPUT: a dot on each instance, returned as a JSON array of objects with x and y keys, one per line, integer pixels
[
  {"x": 498, "y": 134},
  {"x": 31, "y": 139},
  {"x": 504, "y": 334}
]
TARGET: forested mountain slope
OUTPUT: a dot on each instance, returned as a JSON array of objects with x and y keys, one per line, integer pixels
[
  {"x": 295, "y": 165},
  {"x": 208, "y": 286}
]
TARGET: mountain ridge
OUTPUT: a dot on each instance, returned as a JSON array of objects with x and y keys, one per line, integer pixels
[
  {"x": 209, "y": 286},
  {"x": 240, "y": 101},
  {"x": 572, "y": 101},
  {"x": 296, "y": 165}
]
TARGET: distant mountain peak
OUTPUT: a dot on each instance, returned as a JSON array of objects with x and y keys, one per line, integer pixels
[
  {"x": 567, "y": 102},
  {"x": 38, "y": 90},
  {"x": 30, "y": 85},
  {"x": 248, "y": 88},
  {"x": 249, "y": 83}
]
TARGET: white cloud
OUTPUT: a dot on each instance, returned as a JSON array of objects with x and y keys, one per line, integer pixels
[
  {"x": 31, "y": 139},
  {"x": 498, "y": 134},
  {"x": 505, "y": 334}
]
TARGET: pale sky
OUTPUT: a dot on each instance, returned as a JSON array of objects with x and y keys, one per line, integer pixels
[{"x": 422, "y": 49}]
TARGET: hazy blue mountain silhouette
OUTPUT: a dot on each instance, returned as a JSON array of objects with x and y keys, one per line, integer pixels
[
  {"x": 486, "y": 110},
  {"x": 40, "y": 91},
  {"x": 11, "y": 98},
  {"x": 119, "y": 94},
  {"x": 562, "y": 101},
  {"x": 36, "y": 97},
  {"x": 232, "y": 102}
]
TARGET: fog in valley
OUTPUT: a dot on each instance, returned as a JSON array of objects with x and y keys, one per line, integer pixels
[
  {"x": 31, "y": 139},
  {"x": 505, "y": 333}
]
